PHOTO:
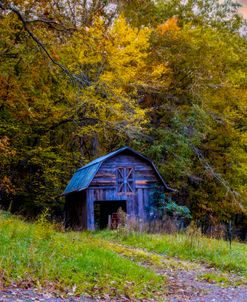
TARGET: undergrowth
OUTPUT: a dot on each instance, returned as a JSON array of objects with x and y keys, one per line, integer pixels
[
  {"x": 36, "y": 255},
  {"x": 42, "y": 255},
  {"x": 188, "y": 246}
]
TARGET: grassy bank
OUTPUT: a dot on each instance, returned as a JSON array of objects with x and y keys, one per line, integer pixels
[
  {"x": 37, "y": 255},
  {"x": 190, "y": 247}
]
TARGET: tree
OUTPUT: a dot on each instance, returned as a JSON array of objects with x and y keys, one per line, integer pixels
[
  {"x": 57, "y": 116},
  {"x": 80, "y": 78},
  {"x": 198, "y": 120}
]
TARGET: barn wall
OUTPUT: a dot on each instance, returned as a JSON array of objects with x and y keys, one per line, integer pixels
[
  {"x": 144, "y": 172},
  {"x": 104, "y": 185}
]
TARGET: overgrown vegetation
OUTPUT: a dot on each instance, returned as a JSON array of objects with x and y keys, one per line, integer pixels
[
  {"x": 191, "y": 246},
  {"x": 107, "y": 264},
  {"x": 38, "y": 255},
  {"x": 81, "y": 78},
  {"x": 161, "y": 205}
]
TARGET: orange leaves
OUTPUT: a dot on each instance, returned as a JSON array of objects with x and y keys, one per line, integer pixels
[
  {"x": 55, "y": 55},
  {"x": 170, "y": 25},
  {"x": 6, "y": 185},
  {"x": 5, "y": 148}
]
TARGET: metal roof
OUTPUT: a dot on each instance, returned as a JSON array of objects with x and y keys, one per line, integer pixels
[
  {"x": 104, "y": 157},
  {"x": 83, "y": 176}
]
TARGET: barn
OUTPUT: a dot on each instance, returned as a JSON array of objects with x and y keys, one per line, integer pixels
[{"x": 122, "y": 179}]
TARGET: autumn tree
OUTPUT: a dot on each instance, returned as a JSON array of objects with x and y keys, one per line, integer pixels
[
  {"x": 66, "y": 95},
  {"x": 198, "y": 118},
  {"x": 81, "y": 78}
]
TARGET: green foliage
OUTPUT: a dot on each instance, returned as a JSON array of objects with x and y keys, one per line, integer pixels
[
  {"x": 195, "y": 136},
  {"x": 215, "y": 278},
  {"x": 161, "y": 204},
  {"x": 94, "y": 264},
  {"x": 50, "y": 126},
  {"x": 181, "y": 211}
]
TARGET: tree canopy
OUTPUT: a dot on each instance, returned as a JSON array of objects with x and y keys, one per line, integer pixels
[{"x": 81, "y": 78}]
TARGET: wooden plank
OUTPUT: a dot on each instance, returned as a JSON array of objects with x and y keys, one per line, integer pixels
[
  {"x": 103, "y": 187},
  {"x": 110, "y": 194},
  {"x": 146, "y": 201},
  {"x": 90, "y": 210},
  {"x": 101, "y": 183},
  {"x": 147, "y": 178},
  {"x": 141, "y": 173},
  {"x": 144, "y": 168},
  {"x": 128, "y": 206},
  {"x": 137, "y": 173},
  {"x": 140, "y": 203},
  {"x": 122, "y": 159},
  {"x": 144, "y": 182},
  {"x": 105, "y": 175}
]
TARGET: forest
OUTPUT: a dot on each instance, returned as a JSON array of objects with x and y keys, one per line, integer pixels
[{"x": 79, "y": 79}]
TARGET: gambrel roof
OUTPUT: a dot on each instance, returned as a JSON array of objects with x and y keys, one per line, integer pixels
[{"x": 83, "y": 176}]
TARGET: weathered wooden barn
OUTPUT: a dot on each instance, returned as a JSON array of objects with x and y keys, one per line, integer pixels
[{"x": 123, "y": 178}]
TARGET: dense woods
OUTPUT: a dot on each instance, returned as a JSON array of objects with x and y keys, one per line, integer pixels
[{"x": 81, "y": 78}]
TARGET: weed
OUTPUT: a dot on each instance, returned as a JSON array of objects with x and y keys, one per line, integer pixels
[{"x": 223, "y": 279}]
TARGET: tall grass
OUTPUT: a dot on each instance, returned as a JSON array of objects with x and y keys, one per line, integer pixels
[
  {"x": 192, "y": 246},
  {"x": 37, "y": 255},
  {"x": 88, "y": 263}
]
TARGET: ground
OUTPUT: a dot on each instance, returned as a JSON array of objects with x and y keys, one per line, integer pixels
[
  {"x": 39, "y": 261},
  {"x": 185, "y": 281}
]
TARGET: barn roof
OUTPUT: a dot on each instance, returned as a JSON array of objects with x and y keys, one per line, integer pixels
[{"x": 83, "y": 176}]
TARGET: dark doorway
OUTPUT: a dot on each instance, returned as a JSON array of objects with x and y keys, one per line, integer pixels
[{"x": 102, "y": 210}]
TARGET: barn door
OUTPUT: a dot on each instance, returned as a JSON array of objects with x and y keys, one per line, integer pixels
[{"x": 125, "y": 180}]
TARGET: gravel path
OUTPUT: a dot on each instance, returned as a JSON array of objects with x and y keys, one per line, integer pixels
[
  {"x": 31, "y": 295},
  {"x": 187, "y": 281},
  {"x": 184, "y": 294},
  {"x": 232, "y": 294},
  {"x": 184, "y": 286}
]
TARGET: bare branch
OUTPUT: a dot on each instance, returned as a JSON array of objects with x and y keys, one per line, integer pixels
[
  {"x": 54, "y": 24},
  {"x": 216, "y": 175},
  {"x": 42, "y": 20},
  {"x": 20, "y": 16}
]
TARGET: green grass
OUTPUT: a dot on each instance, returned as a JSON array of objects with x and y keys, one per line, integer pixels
[
  {"x": 89, "y": 263},
  {"x": 37, "y": 255},
  {"x": 218, "y": 279},
  {"x": 188, "y": 247}
]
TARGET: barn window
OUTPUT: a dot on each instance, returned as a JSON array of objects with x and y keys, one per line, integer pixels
[{"x": 125, "y": 180}]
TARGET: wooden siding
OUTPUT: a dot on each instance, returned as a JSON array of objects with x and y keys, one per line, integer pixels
[
  {"x": 143, "y": 172},
  {"x": 139, "y": 178},
  {"x": 104, "y": 186}
]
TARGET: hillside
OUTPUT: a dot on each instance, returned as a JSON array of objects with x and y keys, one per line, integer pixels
[{"x": 116, "y": 266}]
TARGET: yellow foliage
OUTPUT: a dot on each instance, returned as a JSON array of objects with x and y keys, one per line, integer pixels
[
  {"x": 159, "y": 70},
  {"x": 114, "y": 60},
  {"x": 127, "y": 52}
]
